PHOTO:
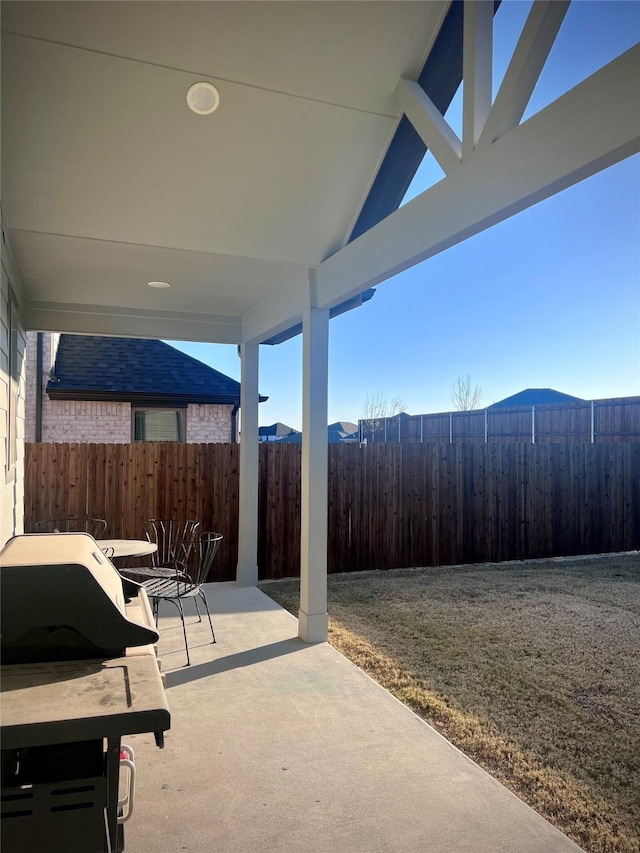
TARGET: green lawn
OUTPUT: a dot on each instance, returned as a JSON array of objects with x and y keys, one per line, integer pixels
[{"x": 532, "y": 669}]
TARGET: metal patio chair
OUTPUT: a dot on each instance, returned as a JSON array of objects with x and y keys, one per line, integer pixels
[
  {"x": 175, "y": 585},
  {"x": 93, "y": 526},
  {"x": 176, "y": 541}
]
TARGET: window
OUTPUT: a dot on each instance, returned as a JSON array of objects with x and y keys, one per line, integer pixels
[{"x": 158, "y": 425}]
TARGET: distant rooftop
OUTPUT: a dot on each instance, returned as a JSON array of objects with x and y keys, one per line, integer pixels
[
  {"x": 341, "y": 430},
  {"x": 278, "y": 430},
  {"x": 535, "y": 397}
]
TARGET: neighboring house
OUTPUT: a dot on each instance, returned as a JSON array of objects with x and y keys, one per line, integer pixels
[
  {"x": 338, "y": 432},
  {"x": 535, "y": 397},
  {"x": 84, "y": 388},
  {"x": 343, "y": 431},
  {"x": 276, "y": 432}
]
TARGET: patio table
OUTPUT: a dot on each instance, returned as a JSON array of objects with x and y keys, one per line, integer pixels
[{"x": 128, "y": 547}]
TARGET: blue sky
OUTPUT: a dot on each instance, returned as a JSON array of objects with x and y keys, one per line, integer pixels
[{"x": 547, "y": 299}]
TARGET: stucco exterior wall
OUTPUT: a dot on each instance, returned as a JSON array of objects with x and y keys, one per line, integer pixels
[{"x": 208, "y": 423}]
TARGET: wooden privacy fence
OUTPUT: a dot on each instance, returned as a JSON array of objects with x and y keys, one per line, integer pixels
[
  {"x": 390, "y": 505},
  {"x": 128, "y": 483},
  {"x": 592, "y": 421}
]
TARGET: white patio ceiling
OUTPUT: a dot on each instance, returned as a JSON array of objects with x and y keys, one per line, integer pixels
[{"x": 109, "y": 181}]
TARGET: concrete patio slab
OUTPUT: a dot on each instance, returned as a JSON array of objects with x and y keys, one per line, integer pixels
[{"x": 281, "y": 747}]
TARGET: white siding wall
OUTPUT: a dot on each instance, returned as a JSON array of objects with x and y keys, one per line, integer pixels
[{"x": 11, "y": 418}]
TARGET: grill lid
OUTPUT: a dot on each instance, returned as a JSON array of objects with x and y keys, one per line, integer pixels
[{"x": 62, "y": 599}]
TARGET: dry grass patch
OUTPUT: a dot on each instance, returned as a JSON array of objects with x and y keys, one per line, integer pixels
[{"x": 532, "y": 669}]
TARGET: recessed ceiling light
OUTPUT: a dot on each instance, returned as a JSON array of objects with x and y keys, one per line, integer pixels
[
  {"x": 203, "y": 98},
  {"x": 158, "y": 284}
]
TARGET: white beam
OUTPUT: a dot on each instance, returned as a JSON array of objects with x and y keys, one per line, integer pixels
[
  {"x": 11, "y": 268},
  {"x": 131, "y": 322},
  {"x": 533, "y": 48},
  {"x": 591, "y": 127},
  {"x": 275, "y": 315},
  {"x": 429, "y": 123},
  {"x": 477, "y": 71},
  {"x": 247, "y": 571},
  {"x": 313, "y": 619}
]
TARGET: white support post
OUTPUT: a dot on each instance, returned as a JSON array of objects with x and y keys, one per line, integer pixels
[
  {"x": 477, "y": 71},
  {"x": 247, "y": 571},
  {"x": 313, "y": 625}
]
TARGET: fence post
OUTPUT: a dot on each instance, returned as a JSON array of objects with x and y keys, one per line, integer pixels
[
  {"x": 385, "y": 430},
  {"x": 486, "y": 425},
  {"x": 421, "y": 428},
  {"x": 450, "y": 427},
  {"x": 593, "y": 421},
  {"x": 533, "y": 424}
]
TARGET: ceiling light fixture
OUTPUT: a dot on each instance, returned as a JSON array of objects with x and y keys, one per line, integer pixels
[
  {"x": 203, "y": 98},
  {"x": 159, "y": 284}
]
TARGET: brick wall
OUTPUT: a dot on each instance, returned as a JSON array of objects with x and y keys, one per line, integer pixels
[
  {"x": 208, "y": 423},
  {"x": 86, "y": 421},
  {"x": 30, "y": 402}
]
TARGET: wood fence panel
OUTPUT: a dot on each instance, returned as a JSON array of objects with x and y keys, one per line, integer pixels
[
  {"x": 509, "y": 426},
  {"x": 616, "y": 420},
  {"x": 389, "y": 505},
  {"x": 435, "y": 428},
  {"x": 570, "y": 424}
]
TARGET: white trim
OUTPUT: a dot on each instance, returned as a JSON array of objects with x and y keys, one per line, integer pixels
[
  {"x": 131, "y": 322},
  {"x": 267, "y": 320}
]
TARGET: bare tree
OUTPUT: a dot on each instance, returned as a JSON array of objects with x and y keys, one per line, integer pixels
[
  {"x": 376, "y": 409},
  {"x": 463, "y": 395}
]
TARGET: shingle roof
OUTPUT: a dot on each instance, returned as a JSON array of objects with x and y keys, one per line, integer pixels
[
  {"x": 535, "y": 397},
  {"x": 92, "y": 367},
  {"x": 278, "y": 429}
]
